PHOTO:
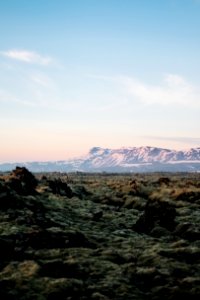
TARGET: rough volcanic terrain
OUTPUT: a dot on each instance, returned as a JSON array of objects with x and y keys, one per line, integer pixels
[{"x": 99, "y": 236}]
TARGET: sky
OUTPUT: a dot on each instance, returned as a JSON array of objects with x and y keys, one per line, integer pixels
[{"x": 111, "y": 73}]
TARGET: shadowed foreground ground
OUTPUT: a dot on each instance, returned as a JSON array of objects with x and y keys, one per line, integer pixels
[{"x": 99, "y": 236}]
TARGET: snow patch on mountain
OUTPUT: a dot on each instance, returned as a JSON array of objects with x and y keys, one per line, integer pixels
[{"x": 131, "y": 159}]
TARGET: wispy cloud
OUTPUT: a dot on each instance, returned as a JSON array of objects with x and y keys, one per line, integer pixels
[
  {"x": 27, "y": 57},
  {"x": 42, "y": 80},
  {"x": 171, "y": 142},
  {"x": 191, "y": 140},
  {"x": 174, "y": 89},
  {"x": 8, "y": 97}
]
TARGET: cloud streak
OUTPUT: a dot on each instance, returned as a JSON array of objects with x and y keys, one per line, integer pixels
[
  {"x": 174, "y": 89},
  {"x": 42, "y": 80},
  {"x": 27, "y": 57},
  {"x": 192, "y": 140}
]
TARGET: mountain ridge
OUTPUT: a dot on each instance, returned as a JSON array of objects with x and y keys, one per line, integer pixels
[{"x": 125, "y": 159}]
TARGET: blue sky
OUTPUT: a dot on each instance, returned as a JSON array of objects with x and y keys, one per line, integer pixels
[{"x": 110, "y": 73}]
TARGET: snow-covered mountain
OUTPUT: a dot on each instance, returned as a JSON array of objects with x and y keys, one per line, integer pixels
[{"x": 132, "y": 159}]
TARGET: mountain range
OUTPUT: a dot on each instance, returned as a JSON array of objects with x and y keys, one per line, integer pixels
[{"x": 131, "y": 159}]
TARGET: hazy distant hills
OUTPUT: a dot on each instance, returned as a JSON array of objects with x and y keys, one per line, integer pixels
[{"x": 132, "y": 159}]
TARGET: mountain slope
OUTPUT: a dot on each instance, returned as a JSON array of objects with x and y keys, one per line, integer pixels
[{"x": 132, "y": 159}]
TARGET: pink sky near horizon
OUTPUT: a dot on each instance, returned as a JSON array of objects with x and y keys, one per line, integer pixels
[{"x": 34, "y": 147}]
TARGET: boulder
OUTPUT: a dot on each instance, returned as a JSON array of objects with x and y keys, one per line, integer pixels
[
  {"x": 156, "y": 212},
  {"x": 22, "y": 181},
  {"x": 60, "y": 188}
]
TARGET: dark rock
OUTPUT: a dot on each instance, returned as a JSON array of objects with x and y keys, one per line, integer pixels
[
  {"x": 60, "y": 188},
  {"x": 3, "y": 187},
  {"x": 188, "y": 231},
  {"x": 22, "y": 181},
  {"x": 186, "y": 254},
  {"x": 190, "y": 196},
  {"x": 80, "y": 191},
  {"x": 8, "y": 289},
  {"x": 160, "y": 232},
  {"x": 156, "y": 212},
  {"x": 163, "y": 180},
  {"x": 96, "y": 216},
  {"x": 6, "y": 249},
  {"x": 59, "y": 239},
  {"x": 135, "y": 186},
  {"x": 61, "y": 269},
  {"x": 10, "y": 200}
]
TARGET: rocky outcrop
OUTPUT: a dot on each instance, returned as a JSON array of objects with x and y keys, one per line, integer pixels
[
  {"x": 156, "y": 213},
  {"x": 57, "y": 186},
  {"x": 22, "y": 181}
]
